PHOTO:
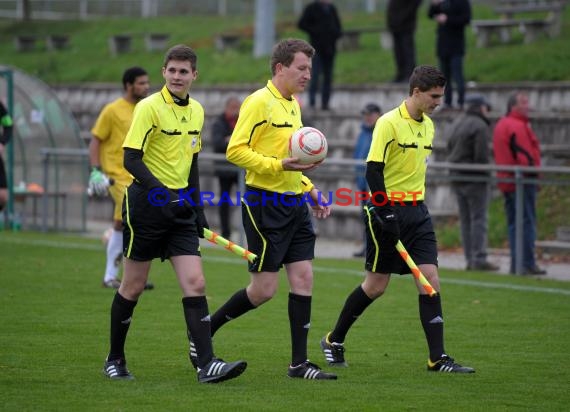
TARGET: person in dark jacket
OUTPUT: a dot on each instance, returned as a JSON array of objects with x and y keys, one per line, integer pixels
[
  {"x": 515, "y": 144},
  {"x": 468, "y": 143},
  {"x": 321, "y": 22},
  {"x": 401, "y": 21},
  {"x": 370, "y": 114},
  {"x": 227, "y": 173},
  {"x": 452, "y": 16}
]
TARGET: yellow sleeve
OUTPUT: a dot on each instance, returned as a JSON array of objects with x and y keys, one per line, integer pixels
[
  {"x": 141, "y": 127},
  {"x": 306, "y": 183},
  {"x": 250, "y": 127},
  {"x": 102, "y": 128},
  {"x": 382, "y": 136}
]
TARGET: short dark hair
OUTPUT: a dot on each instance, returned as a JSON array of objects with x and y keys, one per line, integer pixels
[
  {"x": 513, "y": 98},
  {"x": 284, "y": 52},
  {"x": 426, "y": 78},
  {"x": 181, "y": 52},
  {"x": 130, "y": 75}
]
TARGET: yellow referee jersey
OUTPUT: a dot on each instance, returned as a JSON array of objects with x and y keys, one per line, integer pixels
[
  {"x": 260, "y": 141},
  {"x": 110, "y": 129},
  {"x": 168, "y": 134},
  {"x": 404, "y": 146}
]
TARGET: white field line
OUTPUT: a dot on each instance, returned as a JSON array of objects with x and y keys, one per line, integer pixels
[{"x": 238, "y": 261}]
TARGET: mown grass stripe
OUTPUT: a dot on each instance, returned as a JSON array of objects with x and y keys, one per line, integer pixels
[{"x": 317, "y": 268}]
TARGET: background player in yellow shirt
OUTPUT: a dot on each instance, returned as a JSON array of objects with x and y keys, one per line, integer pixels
[
  {"x": 277, "y": 222},
  {"x": 162, "y": 214},
  {"x": 106, "y": 159},
  {"x": 396, "y": 168}
]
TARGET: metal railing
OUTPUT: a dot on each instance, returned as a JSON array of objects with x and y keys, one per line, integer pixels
[
  {"x": 336, "y": 169},
  {"x": 77, "y": 155},
  {"x": 522, "y": 175},
  {"x": 92, "y": 9},
  {"x": 340, "y": 168}
]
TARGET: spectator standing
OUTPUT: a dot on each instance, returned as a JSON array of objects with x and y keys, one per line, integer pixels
[
  {"x": 161, "y": 152},
  {"x": 370, "y": 113},
  {"x": 227, "y": 173},
  {"x": 276, "y": 220},
  {"x": 468, "y": 142},
  {"x": 397, "y": 164},
  {"x": 401, "y": 19},
  {"x": 7, "y": 128},
  {"x": 515, "y": 144},
  {"x": 321, "y": 22},
  {"x": 106, "y": 159},
  {"x": 452, "y": 16}
]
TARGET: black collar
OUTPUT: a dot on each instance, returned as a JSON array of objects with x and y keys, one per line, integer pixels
[{"x": 178, "y": 100}]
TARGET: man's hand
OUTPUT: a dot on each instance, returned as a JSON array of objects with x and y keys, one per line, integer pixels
[
  {"x": 390, "y": 227},
  {"x": 292, "y": 163},
  {"x": 201, "y": 222},
  {"x": 177, "y": 207},
  {"x": 321, "y": 208},
  {"x": 98, "y": 183}
]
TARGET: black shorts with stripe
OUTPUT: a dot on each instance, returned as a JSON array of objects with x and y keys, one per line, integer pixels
[
  {"x": 149, "y": 232},
  {"x": 278, "y": 228},
  {"x": 416, "y": 233}
]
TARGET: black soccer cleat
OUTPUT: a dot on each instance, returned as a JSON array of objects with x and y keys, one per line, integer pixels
[
  {"x": 308, "y": 370},
  {"x": 117, "y": 369},
  {"x": 447, "y": 364},
  {"x": 334, "y": 352},
  {"x": 218, "y": 371}
]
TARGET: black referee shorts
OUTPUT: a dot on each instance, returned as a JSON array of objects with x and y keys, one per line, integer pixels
[
  {"x": 416, "y": 233},
  {"x": 278, "y": 228},
  {"x": 150, "y": 233}
]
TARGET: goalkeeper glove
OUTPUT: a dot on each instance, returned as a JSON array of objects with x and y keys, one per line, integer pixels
[{"x": 98, "y": 183}]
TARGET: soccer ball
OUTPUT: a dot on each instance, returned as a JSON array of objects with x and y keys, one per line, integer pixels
[{"x": 309, "y": 145}]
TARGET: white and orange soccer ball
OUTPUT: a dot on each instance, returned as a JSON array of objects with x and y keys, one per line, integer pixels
[{"x": 309, "y": 145}]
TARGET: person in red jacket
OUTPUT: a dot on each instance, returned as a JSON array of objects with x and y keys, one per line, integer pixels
[{"x": 515, "y": 144}]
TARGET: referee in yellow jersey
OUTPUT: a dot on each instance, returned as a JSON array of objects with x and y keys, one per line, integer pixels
[
  {"x": 276, "y": 220},
  {"x": 162, "y": 213},
  {"x": 395, "y": 172}
]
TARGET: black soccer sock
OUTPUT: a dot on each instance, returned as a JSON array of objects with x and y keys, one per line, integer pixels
[
  {"x": 236, "y": 306},
  {"x": 300, "y": 322},
  {"x": 198, "y": 324},
  {"x": 121, "y": 313},
  {"x": 432, "y": 321},
  {"x": 353, "y": 307}
]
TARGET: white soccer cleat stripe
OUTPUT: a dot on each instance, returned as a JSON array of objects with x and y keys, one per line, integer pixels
[{"x": 215, "y": 368}]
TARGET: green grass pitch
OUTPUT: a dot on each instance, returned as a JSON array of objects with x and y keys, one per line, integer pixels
[{"x": 55, "y": 330}]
